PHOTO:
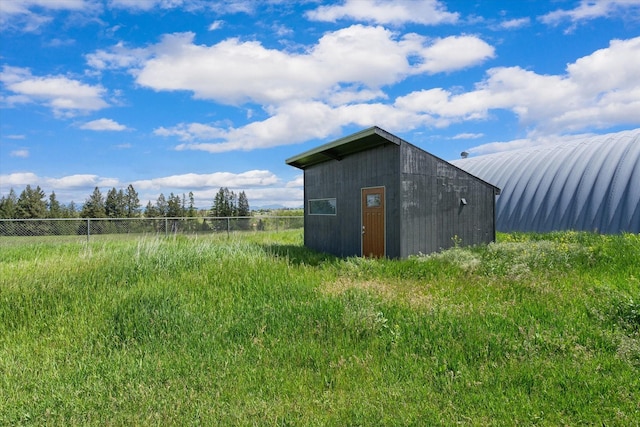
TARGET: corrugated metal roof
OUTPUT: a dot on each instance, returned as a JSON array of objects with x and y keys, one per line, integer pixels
[
  {"x": 588, "y": 183},
  {"x": 338, "y": 149}
]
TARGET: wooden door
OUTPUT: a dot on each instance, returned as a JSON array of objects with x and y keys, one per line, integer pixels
[{"x": 373, "y": 222}]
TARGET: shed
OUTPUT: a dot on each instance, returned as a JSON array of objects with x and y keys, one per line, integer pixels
[{"x": 373, "y": 194}]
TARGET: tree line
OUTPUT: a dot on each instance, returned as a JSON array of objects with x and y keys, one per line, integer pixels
[{"x": 32, "y": 203}]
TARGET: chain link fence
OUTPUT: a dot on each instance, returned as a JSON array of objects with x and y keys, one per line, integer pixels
[{"x": 87, "y": 228}]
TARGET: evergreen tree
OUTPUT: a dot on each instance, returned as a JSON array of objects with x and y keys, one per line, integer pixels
[
  {"x": 54, "y": 207},
  {"x": 122, "y": 204},
  {"x": 243, "y": 205},
  {"x": 224, "y": 203},
  {"x": 232, "y": 202},
  {"x": 191, "y": 212},
  {"x": 174, "y": 206},
  {"x": 31, "y": 203},
  {"x": 115, "y": 204},
  {"x": 218, "y": 208},
  {"x": 243, "y": 211},
  {"x": 184, "y": 205},
  {"x": 8, "y": 205},
  {"x": 162, "y": 206},
  {"x": 71, "y": 210},
  {"x": 112, "y": 204},
  {"x": 132, "y": 202},
  {"x": 150, "y": 211},
  {"x": 94, "y": 206}
]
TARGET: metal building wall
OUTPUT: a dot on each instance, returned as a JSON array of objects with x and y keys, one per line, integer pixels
[
  {"x": 433, "y": 208},
  {"x": 590, "y": 183},
  {"x": 341, "y": 234}
]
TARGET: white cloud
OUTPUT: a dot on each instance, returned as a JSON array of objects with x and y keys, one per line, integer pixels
[
  {"x": 192, "y": 131},
  {"x": 253, "y": 178},
  {"x": 65, "y": 96},
  {"x": 294, "y": 123},
  {"x": 454, "y": 53},
  {"x": 146, "y": 5},
  {"x": 70, "y": 182},
  {"x": 103, "y": 125},
  {"x": 298, "y": 182},
  {"x": 118, "y": 56},
  {"x": 341, "y": 80},
  {"x": 30, "y": 15},
  {"x": 15, "y": 136},
  {"x": 22, "y": 6},
  {"x": 136, "y": 5},
  {"x": 218, "y": 6},
  {"x": 360, "y": 59},
  {"x": 73, "y": 181},
  {"x": 286, "y": 196},
  {"x": 282, "y": 30},
  {"x": 224, "y": 7},
  {"x": 56, "y": 42},
  {"x": 590, "y": 9},
  {"x": 216, "y": 25},
  {"x": 17, "y": 179},
  {"x": 190, "y": 181},
  {"x": 20, "y": 153},
  {"x": 427, "y": 12},
  {"x": 468, "y": 136},
  {"x": 515, "y": 23},
  {"x": 597, "y": 91}
]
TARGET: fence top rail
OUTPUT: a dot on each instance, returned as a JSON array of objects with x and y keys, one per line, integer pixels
[{"x": 153, "y": 218}]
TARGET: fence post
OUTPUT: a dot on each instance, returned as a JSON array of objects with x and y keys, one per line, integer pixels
[
  {"x": 228, "y": 226},
  {"x": 166, "y": 227},
  {"x": 88, "y": 229}
]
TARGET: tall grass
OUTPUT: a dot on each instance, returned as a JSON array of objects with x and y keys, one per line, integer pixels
[{"x": 257, "y": 330}]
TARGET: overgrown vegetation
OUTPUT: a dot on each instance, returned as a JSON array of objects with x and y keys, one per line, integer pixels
[{"x": 537, "y": 329}]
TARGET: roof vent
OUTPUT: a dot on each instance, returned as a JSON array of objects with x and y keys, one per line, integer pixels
[{"x": 464, "y": 154}]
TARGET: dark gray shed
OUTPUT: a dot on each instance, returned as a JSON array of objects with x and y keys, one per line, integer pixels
[{"x": 374, "y": 194}]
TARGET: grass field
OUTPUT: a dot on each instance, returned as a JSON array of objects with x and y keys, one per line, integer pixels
[{"x": 257, "y": 330}]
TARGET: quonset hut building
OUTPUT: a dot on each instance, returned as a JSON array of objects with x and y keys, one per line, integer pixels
[
  {"x": 374, "y": 194},
  {"x": 587, "y": 184}
]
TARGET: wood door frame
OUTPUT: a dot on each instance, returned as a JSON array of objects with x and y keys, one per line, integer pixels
[{"x": 384, "y": 218}]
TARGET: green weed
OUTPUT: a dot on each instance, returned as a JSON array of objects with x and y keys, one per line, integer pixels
[{"x": 254, "y": 329}]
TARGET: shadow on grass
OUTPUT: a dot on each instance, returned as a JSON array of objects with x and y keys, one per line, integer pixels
[{"x": 299, "y": 254}]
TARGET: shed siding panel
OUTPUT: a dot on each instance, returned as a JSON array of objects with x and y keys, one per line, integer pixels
[
  {"x": 320, "y": 184},
  {"x": 344, "y": 179},
  {"x": 432, "y": 212}
]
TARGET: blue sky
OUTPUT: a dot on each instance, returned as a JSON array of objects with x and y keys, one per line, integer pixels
[{"x": 193, "y": 95}]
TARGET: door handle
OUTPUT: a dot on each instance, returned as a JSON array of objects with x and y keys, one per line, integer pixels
[{"x": 363, "y": 229}]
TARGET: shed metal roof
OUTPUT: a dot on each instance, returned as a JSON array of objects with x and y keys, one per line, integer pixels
[{"x": 340, "y": 148}]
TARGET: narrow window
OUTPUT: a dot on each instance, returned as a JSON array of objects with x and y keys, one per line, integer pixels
[{"x": 322, "y": 206}]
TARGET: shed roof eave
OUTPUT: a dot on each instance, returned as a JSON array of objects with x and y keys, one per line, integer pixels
[{"x": 342, "y": 147}]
